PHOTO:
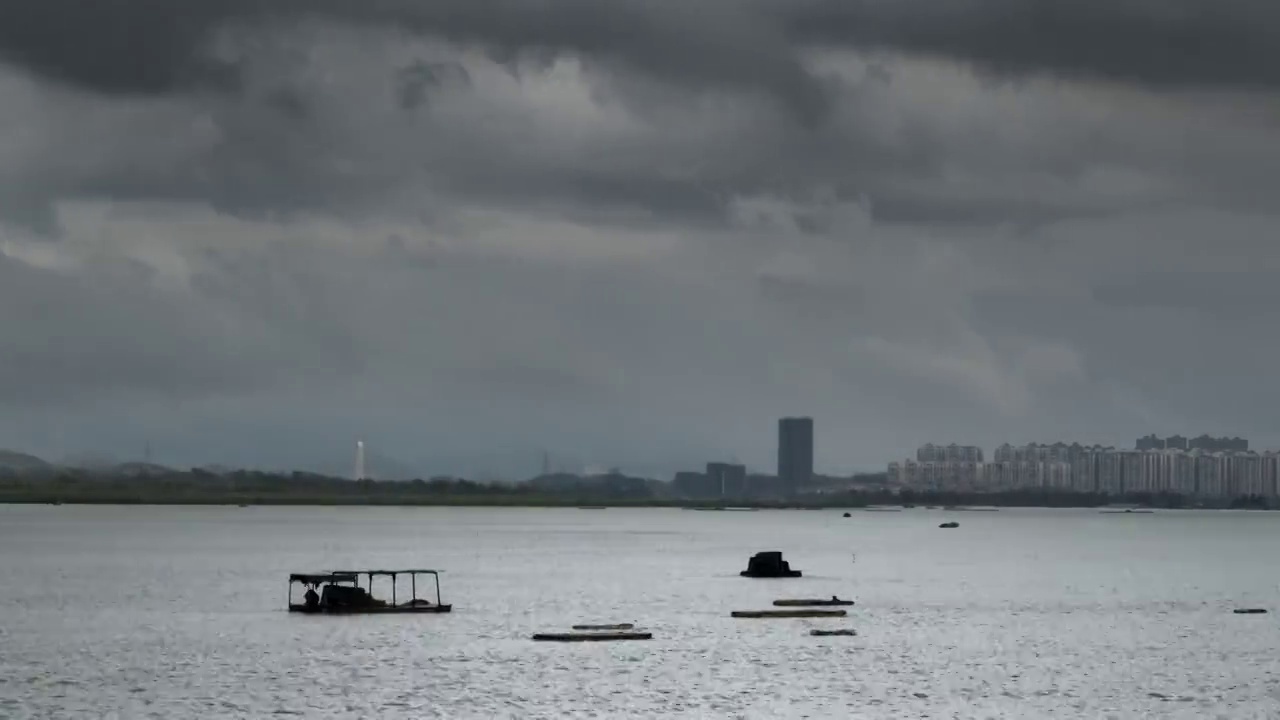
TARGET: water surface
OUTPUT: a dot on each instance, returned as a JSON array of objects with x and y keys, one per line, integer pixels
[{"x": 172, "y": 612}]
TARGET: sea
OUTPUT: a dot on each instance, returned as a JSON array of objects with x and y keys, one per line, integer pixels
[{"x": 179, "y": 612}]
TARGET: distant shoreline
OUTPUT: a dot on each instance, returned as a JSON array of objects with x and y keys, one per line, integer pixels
[
  {"x": 160, "y": 499},
  {"x": 299, "y": 489}
]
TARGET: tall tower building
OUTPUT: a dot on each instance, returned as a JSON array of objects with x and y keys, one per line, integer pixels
[{"x": 795, "y": 452}]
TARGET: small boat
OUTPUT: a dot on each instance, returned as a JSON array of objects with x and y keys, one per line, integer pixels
[
  {"x": 769, "y": 565},
  {"x": 812, "y": 602},
  {"x": 848, "y": 515},
  {"x": 787, "y": 613},
  {"x": 832, "y": 633},
  {"x": 593, "y": 507},
  {"x": 949, "y": 525},
  {"x": 1250, "y": 611},
  {"x": 340, "y": 593},
  {"x": 617, "y": 626},
  {"x": 592, "y": 636}
]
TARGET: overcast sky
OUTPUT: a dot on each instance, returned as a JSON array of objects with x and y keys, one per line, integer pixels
[{"x": 633, "y": 233}]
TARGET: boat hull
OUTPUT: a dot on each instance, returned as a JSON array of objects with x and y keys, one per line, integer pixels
[
  {"x": 787, "y": 613},
  {"x": 389, "y": 610},
  {"x": 812, "y": 602},
  {"x": 592, "y": 636},
  {"x": 845, "y": 632}
]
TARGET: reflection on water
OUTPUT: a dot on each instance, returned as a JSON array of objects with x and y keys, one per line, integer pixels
[{"x": 178, "y": 612}]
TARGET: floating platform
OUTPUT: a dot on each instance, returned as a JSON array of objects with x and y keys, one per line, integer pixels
[
  {"x": 615, "y": 626},
  {"x": 592, "y": 636},
  {"x": 787, "y": 613},
  {"x": 849, "y": 632},
  {"x": 1250, "y": 611},
  {"x": 812, "y": 602}
]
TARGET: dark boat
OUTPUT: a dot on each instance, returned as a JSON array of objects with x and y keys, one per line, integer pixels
[
  {"x": 592, "y": 636},
  {"x": 340, "y": 593},
  {"x": 832, "y": 633},
  {"x": 1250, "y": 611},
  {"x": 787, "y": 613},
  {"x": 813, "y": 602},
  {"x": 615, "y": 626},
  {"x": 769, "y": 565},
  {"x": 948, "y": 525}
]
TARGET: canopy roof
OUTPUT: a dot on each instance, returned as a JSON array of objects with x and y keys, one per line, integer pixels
[
  {"x": 386, "y": 572},
  {"x": 317, "y": 578}
]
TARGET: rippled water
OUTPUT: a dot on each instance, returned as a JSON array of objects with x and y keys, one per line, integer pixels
[{"x": 140, "y": 612}]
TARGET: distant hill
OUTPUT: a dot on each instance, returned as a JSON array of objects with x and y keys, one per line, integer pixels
[
  {"x": 376, "y": 466},
  {"x": 139, "y": 469},
  {"x": 13, "y": 461},
  {"x": 90, "y": 461}
]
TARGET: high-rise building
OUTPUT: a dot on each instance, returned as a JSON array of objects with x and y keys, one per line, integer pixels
[
  {"x": 949, "y": 453},
  {"x": 1149, "y": 442},
  {"x": 795, "y": 452},
  {"x": 1203, "y": 442},
  {"x": 727, "y": 479},
  {"x": 1164, "y": 466}
]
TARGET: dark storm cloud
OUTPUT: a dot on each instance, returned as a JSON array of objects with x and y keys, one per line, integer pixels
[
  {"x": 117, "y": 46},
  {"x": 163, "y": 46},
  {"x": 376, "y": 220},
  {"x": 1216, "y": 43},
  {"x": 160, "y": 46}
]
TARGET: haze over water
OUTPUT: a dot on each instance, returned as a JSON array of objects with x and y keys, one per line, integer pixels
[{"x": 151, "y": 612}]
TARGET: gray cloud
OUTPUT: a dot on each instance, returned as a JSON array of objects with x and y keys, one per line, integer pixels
[
  {"x": 470, "y": 233},
  {"x": 1180, "y": 43},
  {"x": 154, "y": 47}
]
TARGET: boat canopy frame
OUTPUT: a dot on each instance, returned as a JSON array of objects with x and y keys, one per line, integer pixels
[{"x": 413, "y": 580}]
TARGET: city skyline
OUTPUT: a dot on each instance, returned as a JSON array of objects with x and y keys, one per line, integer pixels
[{"x": 1202, "y": 467}]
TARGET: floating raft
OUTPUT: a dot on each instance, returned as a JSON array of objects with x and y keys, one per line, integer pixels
[
  {"x": 832, "y": 633},
  {"x": 1250, "y": 611},
  {"x": 812, "y": 602},
  {"x": 592, "y": 636},
  {"x": 787, "y": 613},
  {"x": 616, "y": 626}
]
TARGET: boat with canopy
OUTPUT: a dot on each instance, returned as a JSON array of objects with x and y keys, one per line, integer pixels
[{"x": 340, "y": 592}]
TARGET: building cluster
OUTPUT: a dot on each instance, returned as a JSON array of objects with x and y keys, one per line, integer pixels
[
  {"x": 730, "y": 480},
  {"x": 1201, "y": 467},
  {"x": 1204, "y": 442}
]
